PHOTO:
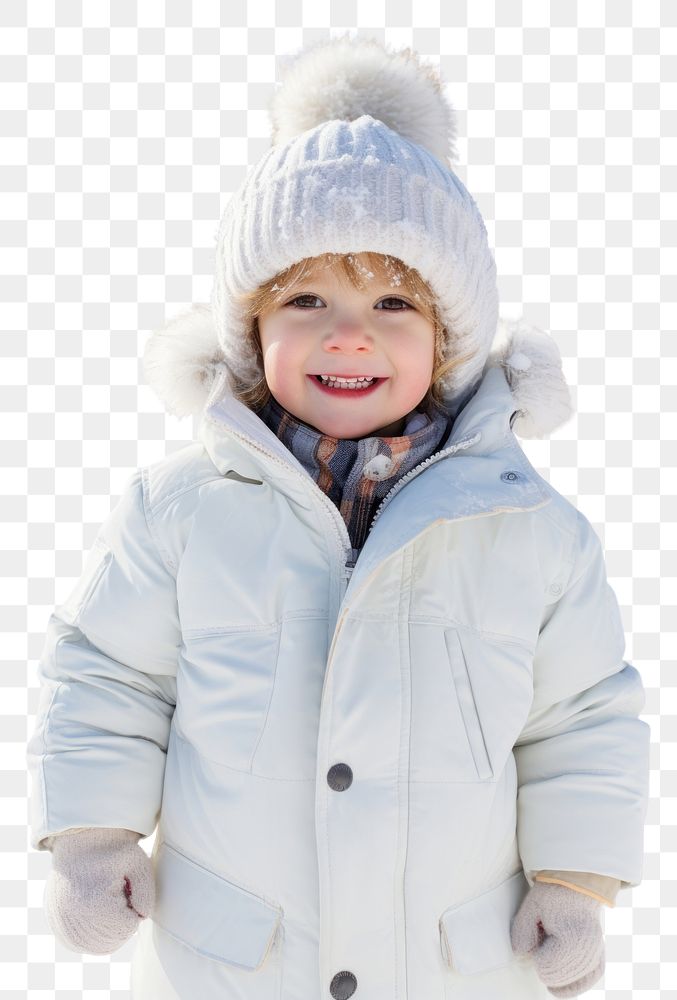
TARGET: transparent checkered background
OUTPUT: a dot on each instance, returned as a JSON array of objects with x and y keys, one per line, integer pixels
[{"x": 123, "y": 132}]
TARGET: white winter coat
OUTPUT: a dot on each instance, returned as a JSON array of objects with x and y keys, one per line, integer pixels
[{"x": 348, "y": 772}]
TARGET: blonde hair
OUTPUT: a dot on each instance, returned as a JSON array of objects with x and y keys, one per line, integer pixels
[{"x": 355, "y": 268}]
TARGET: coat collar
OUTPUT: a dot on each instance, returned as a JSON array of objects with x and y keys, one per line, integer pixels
[
  {"x": 480, "y": 470},
  {"x": 482, "y": 427}
]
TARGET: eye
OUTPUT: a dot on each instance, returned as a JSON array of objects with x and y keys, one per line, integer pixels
[
  {"x": 394, "y": 298},
  {"x": 298, "y": 302},
  {"x": 306, "y": 295}
]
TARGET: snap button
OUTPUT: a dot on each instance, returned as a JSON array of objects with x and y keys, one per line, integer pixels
[
  {"x": 377, "y": 468},
  {"x": 555, "y": 588},
  {"x": 339, "y": 777},
  {"x": 510, "y": 476},
  {"x": 343, "y": 985}
]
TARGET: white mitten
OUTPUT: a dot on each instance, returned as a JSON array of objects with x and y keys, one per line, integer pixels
[
  {"x": 100, "y": 886},
  {"x": 559, "y": 927}
]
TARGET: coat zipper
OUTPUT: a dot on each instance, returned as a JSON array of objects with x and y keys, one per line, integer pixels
[
  {"x": 335, "y": 516},
  {"x": 340, "y": 528},
  {"x": 348, "y": 569},
  {"x": 463, "y": 443}
]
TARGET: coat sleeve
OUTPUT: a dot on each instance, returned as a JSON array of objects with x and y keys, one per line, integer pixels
[
  {"x": 582, "y": 757},
  {"x": 107, "y": 677}
]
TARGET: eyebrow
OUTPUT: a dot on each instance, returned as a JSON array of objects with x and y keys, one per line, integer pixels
[{"x": 380, "y": 283}]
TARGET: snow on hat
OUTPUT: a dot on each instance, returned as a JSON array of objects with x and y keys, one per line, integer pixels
[{"x": 361, "y": 142}]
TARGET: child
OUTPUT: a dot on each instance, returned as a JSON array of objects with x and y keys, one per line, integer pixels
[{"x": 355, "y": 659}]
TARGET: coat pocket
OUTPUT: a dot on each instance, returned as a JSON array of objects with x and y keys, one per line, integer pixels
[
  {"x": 475, "y": 935},
  {"x": 224, "y": 686},
  {"x": 466, "y": 702},
  {"x": 447, "y": 737},
  {"x": 214, "y": 917},
  {"x": 470, "y": 697}
]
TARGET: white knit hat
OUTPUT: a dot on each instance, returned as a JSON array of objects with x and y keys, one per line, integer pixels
[{"x": 362, "y": 139}]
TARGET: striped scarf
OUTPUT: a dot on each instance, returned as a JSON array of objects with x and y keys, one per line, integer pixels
[{"x": 357, "y": 474}]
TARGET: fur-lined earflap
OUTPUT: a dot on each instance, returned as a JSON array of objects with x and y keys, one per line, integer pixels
[
  {"x": 533, "y": 367},
  {"x": 180, "y": 360}
]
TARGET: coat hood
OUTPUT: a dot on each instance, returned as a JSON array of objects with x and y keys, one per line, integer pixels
[{"x": 182, "y": 359}]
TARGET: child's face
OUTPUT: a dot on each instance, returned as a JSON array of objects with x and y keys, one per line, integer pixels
[{"x": 328, "y": 327}]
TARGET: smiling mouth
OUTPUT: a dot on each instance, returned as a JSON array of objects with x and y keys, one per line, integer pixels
[{"x": 336, "y": 390}]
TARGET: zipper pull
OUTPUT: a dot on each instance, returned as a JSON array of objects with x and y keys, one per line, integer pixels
[{"x": 345, "y": 582}]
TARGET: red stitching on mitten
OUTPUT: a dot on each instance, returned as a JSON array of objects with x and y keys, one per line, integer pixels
[{"x": 128, "y": 895}]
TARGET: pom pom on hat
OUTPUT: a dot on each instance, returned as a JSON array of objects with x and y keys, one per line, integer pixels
[{"x": 345, "y": 77}]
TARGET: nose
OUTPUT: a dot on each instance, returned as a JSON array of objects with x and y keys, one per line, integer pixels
[{"x": 348, "y": 338}]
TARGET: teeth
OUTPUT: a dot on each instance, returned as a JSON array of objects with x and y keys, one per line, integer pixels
[{"x": 347, "y": 383}]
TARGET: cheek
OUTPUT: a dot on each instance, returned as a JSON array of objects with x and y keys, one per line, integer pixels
[
  {"x": 282, "y": 362},
  {"x": 417, "y": 359}
]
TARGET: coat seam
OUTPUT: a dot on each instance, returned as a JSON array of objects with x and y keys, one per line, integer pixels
[
  {"x": 571, "y": 559},
  {"x": 273, "y": 682},
  {"x": 207, "y": 631},
  {"x": 167, "y": 561},
  {"x": 178, "y": 734},
  {"x": 304, "y": 614},
  {"x": 211, "y": 478},
  {"x": 47, "y": 726},
  {"x": 570, "y": 527},
  {"x": 95, "y": 639},
  {"x": 568, "y": 561},
  {"x": 445, "y": 622},
  {"x": 605, "y": 771},
  {"x": 405, "y": 650}
]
